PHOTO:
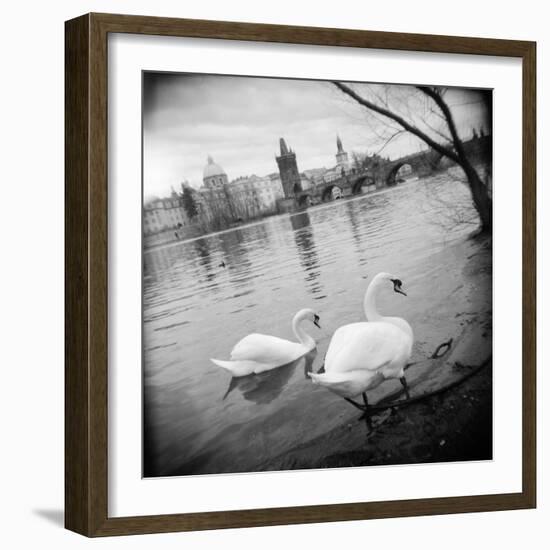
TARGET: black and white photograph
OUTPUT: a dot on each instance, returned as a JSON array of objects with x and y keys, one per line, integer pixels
[
  {"x": 277, "y": 276},
  {"x": 316, "y": 274}
]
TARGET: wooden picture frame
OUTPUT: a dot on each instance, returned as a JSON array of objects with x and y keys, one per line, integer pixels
[{"x": 86, "y": 282}]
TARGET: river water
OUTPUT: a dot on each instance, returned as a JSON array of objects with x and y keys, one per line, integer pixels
[{"x": 201, "y": 296}]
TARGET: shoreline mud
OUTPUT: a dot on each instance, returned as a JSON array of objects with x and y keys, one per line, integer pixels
[{"x": 455, "y": 425}]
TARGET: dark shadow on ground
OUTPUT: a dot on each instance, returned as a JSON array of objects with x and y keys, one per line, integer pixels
[{"x": 453, "y": 426}]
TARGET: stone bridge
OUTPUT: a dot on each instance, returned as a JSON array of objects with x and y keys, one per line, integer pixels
[{"x": 384, "y": 174}]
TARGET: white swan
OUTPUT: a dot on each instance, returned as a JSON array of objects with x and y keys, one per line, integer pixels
[
  {"x": 362, "y": 355},
  {"x": 257, "y": 353}
]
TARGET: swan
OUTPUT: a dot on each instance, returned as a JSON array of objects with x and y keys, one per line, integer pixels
[
  {"x": 257, "y": 353},
  {"x": 362, "y": 355}
]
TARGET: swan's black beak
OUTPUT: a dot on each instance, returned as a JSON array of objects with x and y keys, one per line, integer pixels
[
  {"x": 316, "y": 321},
  {"x": 397, "y": 287}
]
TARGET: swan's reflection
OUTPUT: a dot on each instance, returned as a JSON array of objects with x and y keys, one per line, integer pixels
[{"x": 263, "y": 388}]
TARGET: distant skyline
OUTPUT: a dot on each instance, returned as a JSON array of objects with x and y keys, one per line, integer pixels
[{"x": 239, "y": 120}]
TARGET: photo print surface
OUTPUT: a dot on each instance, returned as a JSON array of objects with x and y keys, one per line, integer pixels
[{"x": 317, "y": 274}]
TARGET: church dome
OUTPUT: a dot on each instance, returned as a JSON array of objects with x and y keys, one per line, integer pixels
[{"x": 212, "y": 169}]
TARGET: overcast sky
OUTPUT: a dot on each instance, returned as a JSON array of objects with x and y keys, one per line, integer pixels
[{"x": 239, "y": 120}]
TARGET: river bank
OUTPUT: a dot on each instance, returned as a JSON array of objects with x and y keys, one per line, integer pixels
[{"x": 453, "y": 424}]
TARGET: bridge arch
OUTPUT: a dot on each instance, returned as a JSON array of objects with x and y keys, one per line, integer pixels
[
  {"x": 422, "y": 164},
  {"x": 332, "y": 192},
  {"x": 400, "y": 169},
  {"x": 361, "y": 183}
]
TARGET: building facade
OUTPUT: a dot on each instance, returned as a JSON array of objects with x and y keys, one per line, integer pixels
[
  {"x": 243, "y": 198},
  {"x": 220, "y": 203},
  {"x": 342, "y": 168},
  {"x": 267, "y": 191},
  {"x": 163, "y": 214}
]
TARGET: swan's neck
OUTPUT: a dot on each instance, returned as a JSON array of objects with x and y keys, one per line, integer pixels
[
  {"x": 301, "y": 334},
  {"x": 369, "y": 303}
]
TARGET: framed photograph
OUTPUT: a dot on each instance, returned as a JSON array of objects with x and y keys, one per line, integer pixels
[{"x": 300, "y": 275}]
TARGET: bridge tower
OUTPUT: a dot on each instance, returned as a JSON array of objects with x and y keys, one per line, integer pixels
[
  {"x": 341, "y": 156},
  {"x": 290, "y": 177}
]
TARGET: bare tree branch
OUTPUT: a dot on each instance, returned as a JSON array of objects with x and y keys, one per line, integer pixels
[
  {"x": 394, "y": 135},
  {"x": 438, "y": 132},
  {"x": 401, "y": 121},
  {"x": 433, "y": 94}
]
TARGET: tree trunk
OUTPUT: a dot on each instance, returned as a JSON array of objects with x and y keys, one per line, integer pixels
[{"x": 480, "y": 196}]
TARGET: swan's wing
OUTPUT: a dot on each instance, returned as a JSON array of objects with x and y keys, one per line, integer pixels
[
  {"x": 402, "y": 324},
  {"x": 237, "y": 368},
  {"x": 346, "y": 384},
  {"x": 338, "y": 341},
  {"x": 264, "y": 349},
  {"x": 366, "y": 346}
]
